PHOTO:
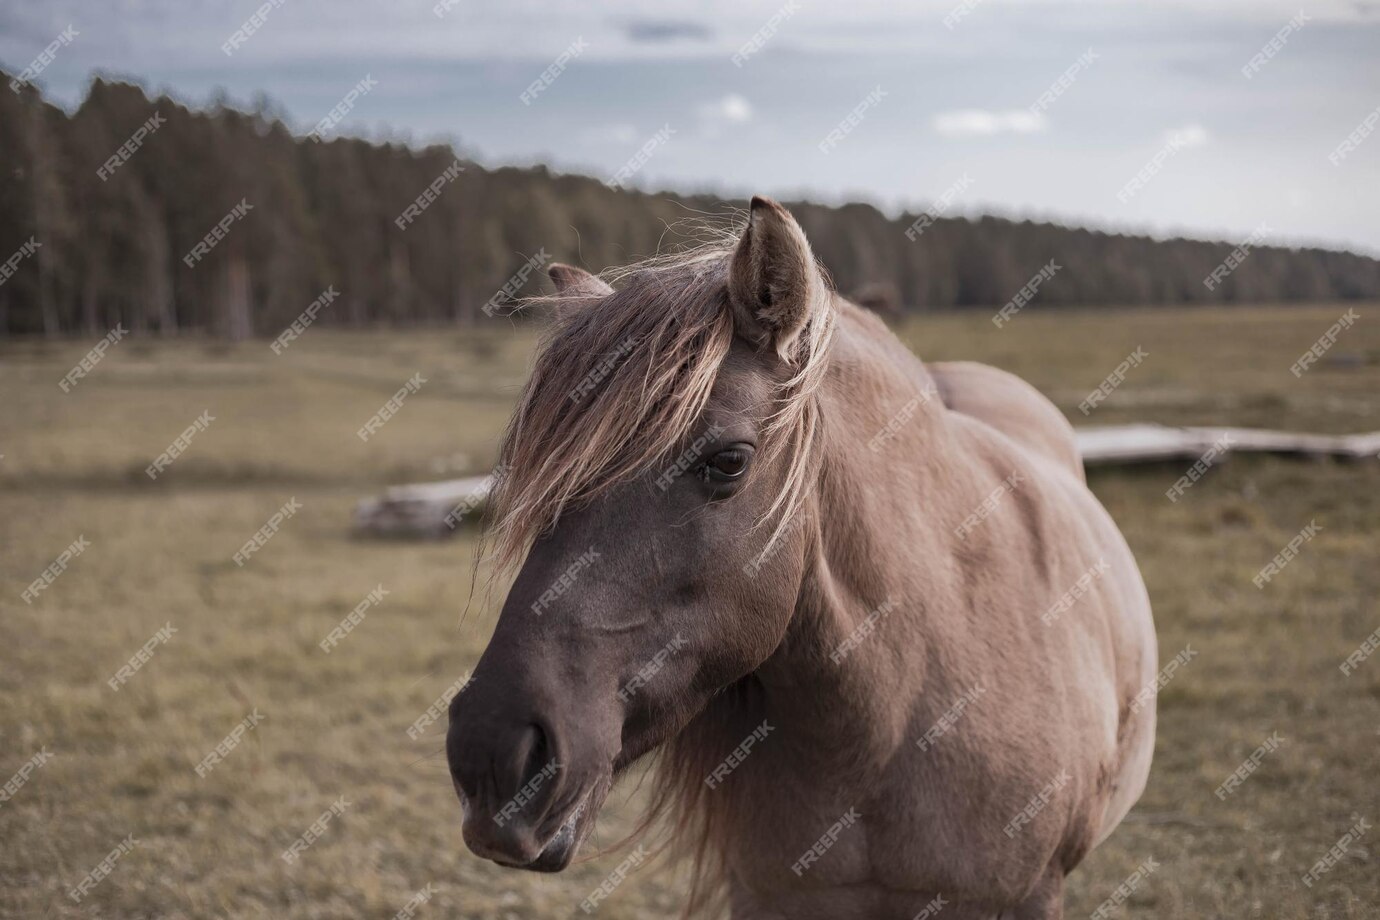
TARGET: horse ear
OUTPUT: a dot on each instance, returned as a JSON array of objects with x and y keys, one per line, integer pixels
[
  {"x": 571, "y": 280},
  {"x": 774, "y": 284}
]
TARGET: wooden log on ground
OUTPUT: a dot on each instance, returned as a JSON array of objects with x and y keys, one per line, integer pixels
[
  {"x": 435, "y": 510},
  {"x": 1113, "y": 444}
]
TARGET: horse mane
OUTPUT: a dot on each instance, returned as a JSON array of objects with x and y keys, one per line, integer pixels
[
  {"x": 618, "y": 381},
  {"x": 695, "y": 816}
]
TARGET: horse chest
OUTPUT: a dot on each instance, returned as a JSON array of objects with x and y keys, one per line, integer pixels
[{"x": 907, "y": 831}]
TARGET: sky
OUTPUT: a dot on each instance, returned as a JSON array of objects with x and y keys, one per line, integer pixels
[{"x": 1214, "y": 119}]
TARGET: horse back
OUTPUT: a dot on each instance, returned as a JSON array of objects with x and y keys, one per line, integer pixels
[{"x": 1008, "y": 404}]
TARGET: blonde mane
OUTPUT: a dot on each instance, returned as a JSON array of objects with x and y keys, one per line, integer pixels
[{"x": 620, "y": 379}]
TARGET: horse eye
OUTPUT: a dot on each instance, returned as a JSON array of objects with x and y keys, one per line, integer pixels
[{"x": 729, "y": 464}]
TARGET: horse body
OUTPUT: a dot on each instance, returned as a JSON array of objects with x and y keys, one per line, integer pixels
[
  {"x": 1040, "y": 708},
  {"x": 936, "y": 643}
]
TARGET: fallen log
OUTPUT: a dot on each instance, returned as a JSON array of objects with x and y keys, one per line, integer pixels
[
  {"x": 432, "y": 510},
  {"x": 1114, "y": 444},
  {"x": 436, "y": 510}
]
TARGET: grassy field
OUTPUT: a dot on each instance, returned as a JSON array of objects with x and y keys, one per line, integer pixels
[{"x": 160, "y": 554}]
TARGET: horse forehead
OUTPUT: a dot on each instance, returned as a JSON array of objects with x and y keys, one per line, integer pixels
[{"x": 744, "y": 385}]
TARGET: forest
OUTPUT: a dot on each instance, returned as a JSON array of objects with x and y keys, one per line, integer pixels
[{"x": 148, "y": 214}]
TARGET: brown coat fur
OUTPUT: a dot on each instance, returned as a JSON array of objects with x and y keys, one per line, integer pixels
[
  {"x": 933, "y": 566},
  {"x": 1053, "y": 698}
]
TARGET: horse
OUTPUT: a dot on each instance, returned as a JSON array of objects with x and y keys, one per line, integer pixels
[{"x": 891, "y": 654}]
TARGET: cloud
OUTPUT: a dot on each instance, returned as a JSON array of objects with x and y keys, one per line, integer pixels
[
  {"x": 1187, "y": 136},
  {"x": 732, "y": 109},
  {"x": 666, "y": 30},
  {"x": 620, "y": 134},
  {"x": 981, "y": 123}
]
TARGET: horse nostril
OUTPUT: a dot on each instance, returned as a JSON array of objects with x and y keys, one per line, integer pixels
[{"x": 538, "y": 752}]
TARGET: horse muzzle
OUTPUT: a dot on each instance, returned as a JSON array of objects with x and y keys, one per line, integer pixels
[{"x": 529, "y": 798}]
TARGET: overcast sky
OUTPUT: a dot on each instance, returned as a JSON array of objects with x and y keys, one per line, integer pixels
[{"x": 941, "y": 91}]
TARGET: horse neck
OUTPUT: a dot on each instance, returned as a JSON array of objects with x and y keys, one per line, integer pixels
[{"x": 854, "y": 656}]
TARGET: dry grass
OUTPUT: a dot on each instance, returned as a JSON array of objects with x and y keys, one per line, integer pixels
[{"x": 336, "y": 724}]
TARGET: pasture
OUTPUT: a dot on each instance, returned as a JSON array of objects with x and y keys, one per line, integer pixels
[{"x": 333, "y": 726}]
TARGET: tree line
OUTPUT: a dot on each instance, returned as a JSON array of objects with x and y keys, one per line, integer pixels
[{"x": 146, "y": 213}]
